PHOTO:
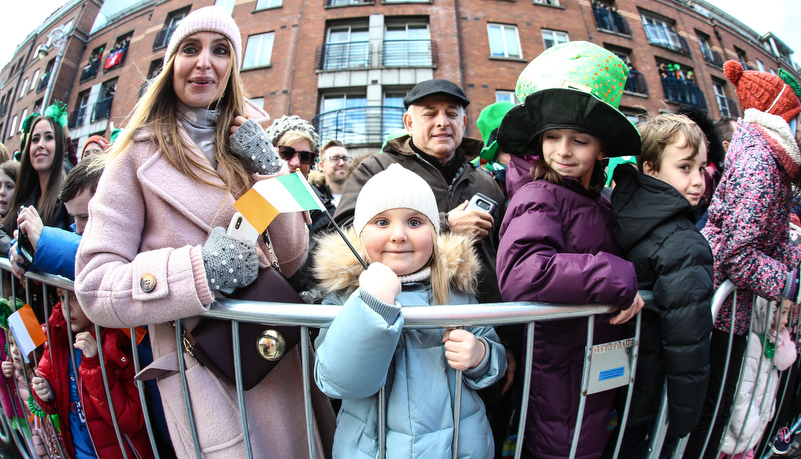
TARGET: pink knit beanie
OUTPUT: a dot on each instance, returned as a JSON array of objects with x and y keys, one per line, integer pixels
[{"x": 208, "y": 19}]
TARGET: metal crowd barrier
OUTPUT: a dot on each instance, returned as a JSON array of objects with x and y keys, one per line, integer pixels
[{"x": 607, "y": 366}]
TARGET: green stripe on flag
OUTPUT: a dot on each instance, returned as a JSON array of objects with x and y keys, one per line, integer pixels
[{"x": 300, "y": 191}]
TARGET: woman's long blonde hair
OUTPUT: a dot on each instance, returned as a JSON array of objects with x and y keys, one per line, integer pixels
[{"x": 156, "y": 113}]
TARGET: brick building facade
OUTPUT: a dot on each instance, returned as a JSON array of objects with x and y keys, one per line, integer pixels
[{"x": 346, "y": 64}]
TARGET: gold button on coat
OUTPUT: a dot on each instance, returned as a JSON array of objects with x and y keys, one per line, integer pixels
[{"x": 148, "y": 283}]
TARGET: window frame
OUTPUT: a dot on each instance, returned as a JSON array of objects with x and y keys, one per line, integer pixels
[
  {"x": 270, "y": 6},
  {"x": 258, "y": 60},
  {"x": 555, "y": 42},
  {"x": 499, "y": 93},
  {"x": 505, "y": 45}
]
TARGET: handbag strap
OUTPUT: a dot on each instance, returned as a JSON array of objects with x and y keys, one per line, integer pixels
[{"x": 271, "y": 253}]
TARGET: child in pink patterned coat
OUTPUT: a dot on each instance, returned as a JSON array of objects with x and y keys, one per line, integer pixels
[{"x": 748, "y": 227}]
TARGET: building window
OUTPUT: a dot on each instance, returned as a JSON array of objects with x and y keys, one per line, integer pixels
[
  {"x": 760, "y": 65},
  {"x": 547, "y": 2},
  {"x": 504, "y": 41},
  {"x": 259, "y": 50},
  {"x": 23, "y": 117},
  {"x": 102, "y": 108},
  {"x": 726, "y": 106},
  {"x": 679, "y": 85},
  {"x": 636, "y": 81},
  {"x": 228, "y": 5},
  {"x": 772, "y": 71},
  {"x": 551, "y": 38},
  {"x": 607, "y": 18},
  {"x": 37, "y": 106},
  {"x": 343, "y": 117},
  {"x": 711, "y": 57},
  {"x": 78, "y": 116},
  {"x": 34, "y": 80},
  {"x": 258, "y": 101},
  {"x": 407, "y": 45},
  {"x": 12, "y": 131},
  {"x": 22, "y": 88},
  {"x": 116, "y": 56},
  {"x": 392, "y": 113},
  {"x": 506, "y": 96},
  {"x": 345, "y": 47},
  {"x": 662, "y": 33},
  {"x": 265, "y": 4},
  {"x": 173, "y": 20}
]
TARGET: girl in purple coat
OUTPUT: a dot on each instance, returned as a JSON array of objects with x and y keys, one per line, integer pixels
[{"x": 556, "y": 239}]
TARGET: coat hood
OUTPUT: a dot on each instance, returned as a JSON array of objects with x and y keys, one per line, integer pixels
[
  {"x": 641, "y": 203},
  {"x": 337, "y": 269}
]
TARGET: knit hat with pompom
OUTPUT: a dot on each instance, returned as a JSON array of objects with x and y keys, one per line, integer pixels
[{"x": 763, "y": 91}]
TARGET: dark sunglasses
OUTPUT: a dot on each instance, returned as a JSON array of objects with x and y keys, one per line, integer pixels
[{"x": 287, "y": 153}]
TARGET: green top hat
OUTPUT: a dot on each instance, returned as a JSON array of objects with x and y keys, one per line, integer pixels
[
  {"x": 575, "y": 85},
  {"x": 488, "y": 122}
]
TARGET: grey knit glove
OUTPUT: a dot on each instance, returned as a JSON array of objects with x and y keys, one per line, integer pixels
[
  {"x": 229, "y": 262},
  {"x": 250, "y": 144}
]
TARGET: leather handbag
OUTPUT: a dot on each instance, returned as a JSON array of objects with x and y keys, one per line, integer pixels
[{"x": 261, "y": 346}]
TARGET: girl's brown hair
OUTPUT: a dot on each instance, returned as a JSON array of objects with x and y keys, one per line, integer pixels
[
  {"x": 156, "y": 114},
  {"x": 28, "y": 178}
]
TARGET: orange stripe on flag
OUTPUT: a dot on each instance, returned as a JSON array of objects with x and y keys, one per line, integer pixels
[
  {"x": 32, "y": 325},
  {"x": 140, "y": 333},
  {"x": 257, "y": 210}
]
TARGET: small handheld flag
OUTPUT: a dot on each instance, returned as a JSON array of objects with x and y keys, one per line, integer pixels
[
  {"x": 26, "y": 329},
  {"x": 268, "y": 198}
]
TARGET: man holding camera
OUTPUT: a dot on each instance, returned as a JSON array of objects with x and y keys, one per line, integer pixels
[{"x": 436, "y": 149}]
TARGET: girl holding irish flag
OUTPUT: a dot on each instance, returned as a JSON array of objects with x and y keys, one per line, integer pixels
[{"x": 155, "y": 248}]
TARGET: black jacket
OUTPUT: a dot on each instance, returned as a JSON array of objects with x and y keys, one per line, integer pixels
[{"x": 655, "y": 228}]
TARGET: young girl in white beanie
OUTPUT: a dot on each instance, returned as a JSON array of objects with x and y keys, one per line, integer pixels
[{"x": 396, "y": 231}]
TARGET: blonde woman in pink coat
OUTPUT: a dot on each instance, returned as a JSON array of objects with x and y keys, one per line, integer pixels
[{"x": 156, "y": 224}]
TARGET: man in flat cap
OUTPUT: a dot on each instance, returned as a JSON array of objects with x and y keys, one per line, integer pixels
[{"x": 435, "y": 148}]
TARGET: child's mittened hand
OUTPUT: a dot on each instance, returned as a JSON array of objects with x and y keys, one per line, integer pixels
[
  {"x": 381, "y": 281},
  {"x": 86, "y": 343},
  {"x": 8, "y": 368},
  {"x": 462, "y": 349},
  {"x": 42, "y": 388}
]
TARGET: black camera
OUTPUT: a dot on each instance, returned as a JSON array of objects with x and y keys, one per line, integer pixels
[{"x": 24, "y": 249}]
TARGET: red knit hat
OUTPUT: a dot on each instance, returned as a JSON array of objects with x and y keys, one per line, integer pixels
[{"x": 763, "y": 91}]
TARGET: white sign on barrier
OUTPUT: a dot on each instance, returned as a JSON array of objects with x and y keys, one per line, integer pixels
[{"x": 610, "y": 365}]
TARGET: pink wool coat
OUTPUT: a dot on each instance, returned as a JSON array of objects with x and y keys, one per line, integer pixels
[{"x": 149, "y": 218}]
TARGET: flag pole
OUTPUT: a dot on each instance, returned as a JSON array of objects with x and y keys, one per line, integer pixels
[{"x": 339, "y": 230}]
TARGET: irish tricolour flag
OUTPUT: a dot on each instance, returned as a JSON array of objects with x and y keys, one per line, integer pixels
[
  {"x": 268, "y": 198},
  {"x": 26, "y": 329}
]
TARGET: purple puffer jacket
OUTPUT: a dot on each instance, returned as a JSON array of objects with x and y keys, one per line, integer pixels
[
  {"x": 557, "y": 245},
  {"x": 749, "y": 223}
]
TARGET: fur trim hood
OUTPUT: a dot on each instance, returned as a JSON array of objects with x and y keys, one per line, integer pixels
[{"x": 337, "y": 269}]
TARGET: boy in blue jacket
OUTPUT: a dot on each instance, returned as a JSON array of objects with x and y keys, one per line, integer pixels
[{"x": 655, "y": 227}]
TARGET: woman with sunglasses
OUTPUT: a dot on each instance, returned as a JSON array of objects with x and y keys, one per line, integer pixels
[
  {"x": 297, "y": 142},
  {"x": 155, "y": 248}
]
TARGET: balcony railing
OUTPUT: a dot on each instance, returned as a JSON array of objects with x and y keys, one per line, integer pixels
[
  {"x": 163, "y": 37},
  {"x": 115, "y": 59},
  {"x": 78, "y": 117},
  {"x": 341, "y": 56},
  {"x": 606, "y": 19},
  {"x": 712, "y": 57},
  {"x": 409, "y": 53},
  {"x": 347, "y": 2},
  {"x": 636, "y": 83},
  {"x": 43, "y": 82},
  {"x": 359, "y": 125},
  {"x": 727, "y": 106},
  {"x": 666, "y": 38},
  {"x": 683, "y": 92},
  {"x": 102, "y": 109},
  {"x": 90, "y": 71}
]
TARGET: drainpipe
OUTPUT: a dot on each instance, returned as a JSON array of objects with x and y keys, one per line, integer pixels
[{"x": 295, "y": 59}]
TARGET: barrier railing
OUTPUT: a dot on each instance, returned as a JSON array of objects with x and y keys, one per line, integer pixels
[{"x": 318, "y": 316}]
